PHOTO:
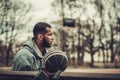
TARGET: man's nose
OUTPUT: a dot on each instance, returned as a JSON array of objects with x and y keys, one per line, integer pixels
[{"x": 52, "y": 38}]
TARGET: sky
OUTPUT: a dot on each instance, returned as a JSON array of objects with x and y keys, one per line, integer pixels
[{"x": 41, "y": 10}]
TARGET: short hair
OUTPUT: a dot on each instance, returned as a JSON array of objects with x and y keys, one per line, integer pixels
[{"x": 40, "y": 27}]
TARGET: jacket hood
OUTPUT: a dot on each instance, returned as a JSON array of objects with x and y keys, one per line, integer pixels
[{"x": 32, "y": 47}]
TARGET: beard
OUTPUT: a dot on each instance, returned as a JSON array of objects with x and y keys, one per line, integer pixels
[{"x": 45, "y": 43}]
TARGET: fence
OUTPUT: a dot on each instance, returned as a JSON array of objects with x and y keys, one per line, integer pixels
[{"x": 69, "y": 74}]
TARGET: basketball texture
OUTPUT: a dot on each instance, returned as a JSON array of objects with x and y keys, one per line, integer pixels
[{"x": 55, "y": 60}]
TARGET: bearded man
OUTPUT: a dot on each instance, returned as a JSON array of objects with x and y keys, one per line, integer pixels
[{"x": 30, "y": 56}]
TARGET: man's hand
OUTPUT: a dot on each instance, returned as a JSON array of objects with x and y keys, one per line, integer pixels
[{"x": 41, "y": 75}]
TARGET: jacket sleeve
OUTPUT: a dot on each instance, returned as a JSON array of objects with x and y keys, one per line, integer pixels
[{"x": 23, "y": 63}]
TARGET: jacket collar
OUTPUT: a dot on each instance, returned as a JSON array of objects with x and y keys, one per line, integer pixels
[{"x": 37, "y": 51}]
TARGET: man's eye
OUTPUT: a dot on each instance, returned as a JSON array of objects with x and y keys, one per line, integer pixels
[{"x": 50, "y": 34}]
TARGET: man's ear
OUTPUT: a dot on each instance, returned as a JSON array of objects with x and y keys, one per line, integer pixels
[{"x": 40, "y": 36}]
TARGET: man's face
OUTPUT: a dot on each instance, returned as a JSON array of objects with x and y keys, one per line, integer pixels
[{"x": 48, "y": 38}]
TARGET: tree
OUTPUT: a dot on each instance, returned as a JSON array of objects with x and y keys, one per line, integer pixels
[
  {"x": 108, "y": 25},
  {"x": 101, "y": 16},
  {"x": 12, "y": 19}
]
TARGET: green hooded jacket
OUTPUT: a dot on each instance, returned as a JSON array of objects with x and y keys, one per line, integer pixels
[{"x": 28, "y": 58}]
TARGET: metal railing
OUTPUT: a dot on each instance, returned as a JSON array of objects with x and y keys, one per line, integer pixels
[{"x": 69, "y": 74}]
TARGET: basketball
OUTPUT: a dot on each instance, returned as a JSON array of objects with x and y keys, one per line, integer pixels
[{"x": 54, "y": 61}]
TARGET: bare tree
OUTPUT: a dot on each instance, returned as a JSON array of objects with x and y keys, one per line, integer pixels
[
  {"x": 12, "y": 19},
  {"x": 104, "y": 8},
  {"x": 102, "y": 31}
]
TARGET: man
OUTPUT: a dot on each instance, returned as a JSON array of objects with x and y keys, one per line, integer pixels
[{"x": 30, "y": 57}]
